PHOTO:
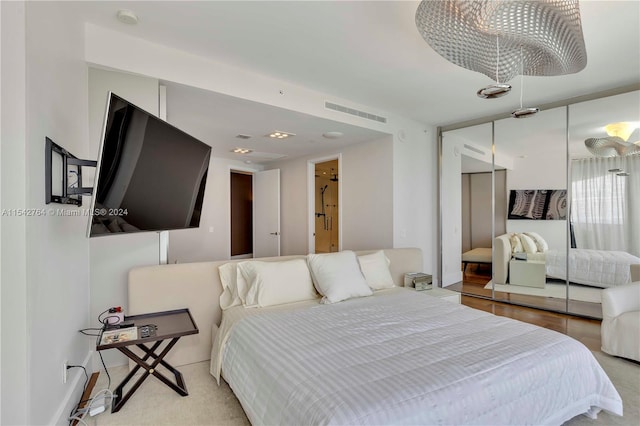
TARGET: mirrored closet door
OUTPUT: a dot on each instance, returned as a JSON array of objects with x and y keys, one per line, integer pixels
[
  {"x": 604, "y": 152},
  {"x": 534, "y": 151},
  {"x": 543, "y": 211},
  {"x": 467, "y": 207}
]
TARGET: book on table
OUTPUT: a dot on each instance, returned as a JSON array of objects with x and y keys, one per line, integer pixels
[{"x": 118, "y": 335}]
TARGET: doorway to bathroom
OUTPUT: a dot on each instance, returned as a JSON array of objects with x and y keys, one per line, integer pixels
[{"x": 327, "y": 206}]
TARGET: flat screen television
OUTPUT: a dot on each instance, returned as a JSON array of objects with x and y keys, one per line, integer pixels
[{"x": 150, "y": 175}]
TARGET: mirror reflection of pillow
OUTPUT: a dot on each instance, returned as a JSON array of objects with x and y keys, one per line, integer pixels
[
  {"x": 528, "y": 244},
  {"x": 516, "y": 244},
  {"x": 541, "y": 244}
]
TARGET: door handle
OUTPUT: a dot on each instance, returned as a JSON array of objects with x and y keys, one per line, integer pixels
[{"x": 274, "y": 233}]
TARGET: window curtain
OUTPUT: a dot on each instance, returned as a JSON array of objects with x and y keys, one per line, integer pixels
[{"x": 605, "y": 207}]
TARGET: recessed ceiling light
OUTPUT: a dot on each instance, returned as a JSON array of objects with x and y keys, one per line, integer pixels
[
  {"x": 280, "y": 135},
  {"x": 127, "y": 16},
  {"x": 333, "y": 135},
  {"x": 241, "y": 150}
]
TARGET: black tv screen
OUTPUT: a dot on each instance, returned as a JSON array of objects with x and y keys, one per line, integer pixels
[{"x": 150, "y": 175}]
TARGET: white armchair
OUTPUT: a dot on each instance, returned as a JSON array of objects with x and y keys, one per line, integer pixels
[{"x": 620, "y": 328}]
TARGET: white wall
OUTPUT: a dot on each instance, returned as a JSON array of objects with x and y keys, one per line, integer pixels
[
  {"x": 14, "y": 362},
  {"x": 414, "y": 152},
  {"x": 367, "y": 187},
  {"x": 415, "y": 189},
  {"x": 451, "y": 202},
  {"x": 111, "y": 257},
  {"x": 212, "y": 241},
  {"x": 44, "y": 259},
  {"x": 367, "y": 191}
]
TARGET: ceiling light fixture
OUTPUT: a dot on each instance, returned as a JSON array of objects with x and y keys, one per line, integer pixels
[
  {"x": 623, "y": 130},
  {"x": 332, "y": 135},
  {"x": 498, "y": 89},
  {"x": 466, "y": 33},
  {"x": 241, "y": 150},
  {"x": 127, "y": 16},
  {"x": 280, "y": 135},
  {"x": 611, "y": 146},
  {"x": 523, "y": 112},
  {"x": 615, "y": 144}
]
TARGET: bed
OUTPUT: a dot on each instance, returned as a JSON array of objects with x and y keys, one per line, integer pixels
[
  {"x": 401, "y": 357},
  {"x": 596, "y": 268},
  {"x": 390, "y": 356},
  {"x": 397, "y": 356}
]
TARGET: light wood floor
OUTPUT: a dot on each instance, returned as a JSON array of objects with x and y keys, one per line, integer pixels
[{"x": 584, "y": 330}]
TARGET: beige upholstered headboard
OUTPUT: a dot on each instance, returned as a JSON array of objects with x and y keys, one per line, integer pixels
[{"x": 197, "y": 286}]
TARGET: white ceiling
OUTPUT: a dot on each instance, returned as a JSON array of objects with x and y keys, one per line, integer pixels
[
  {"x": 370, "y": 51},
  {"x": 218, "y": 119}
]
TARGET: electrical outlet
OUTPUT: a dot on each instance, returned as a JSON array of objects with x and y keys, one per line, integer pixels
[{"x": 65, "y": 370}]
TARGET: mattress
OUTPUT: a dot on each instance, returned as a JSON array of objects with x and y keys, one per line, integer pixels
[
  {"x": 402, "y": 357},
  {"x": 598, "y": 268}
]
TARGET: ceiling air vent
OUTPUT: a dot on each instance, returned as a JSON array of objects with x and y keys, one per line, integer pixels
[
  {"x": 241, "y": 136},
  {"x": 474, "y": 149},
  {"x": 357, "y": 113}
]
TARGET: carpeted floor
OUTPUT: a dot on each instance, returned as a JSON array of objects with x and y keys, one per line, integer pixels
[{"x": 207, "y": 404}]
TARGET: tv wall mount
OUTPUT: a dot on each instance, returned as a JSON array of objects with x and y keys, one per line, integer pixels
[{"x": 71, "y": 193}]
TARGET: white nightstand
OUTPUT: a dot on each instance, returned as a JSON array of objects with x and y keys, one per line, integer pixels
[
  {"x": 527, "y": 273},
  {"x": 442, "y": 293}
]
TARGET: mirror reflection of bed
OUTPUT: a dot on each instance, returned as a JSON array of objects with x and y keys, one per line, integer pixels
[{"x": 524, "y": 264}]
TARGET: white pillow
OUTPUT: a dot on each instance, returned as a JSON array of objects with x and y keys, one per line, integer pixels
[
  {"x": 516, "y": 244},
  {"x": 229, "y": 296},
  {"x": 528, "y": 244},
  {"x": 337, "y": 276},
  {"x": 375, "y": 268},
  {"x": 541, "y": 244},
  {"x": 276, "y": 283}
]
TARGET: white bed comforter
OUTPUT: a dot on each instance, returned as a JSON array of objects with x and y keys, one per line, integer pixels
[
  {"x": 403, "y": 357},
  {"x": 598, "y": 268}
]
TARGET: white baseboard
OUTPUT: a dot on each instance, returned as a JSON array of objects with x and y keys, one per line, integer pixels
[{"x": 73, "y": 395}]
